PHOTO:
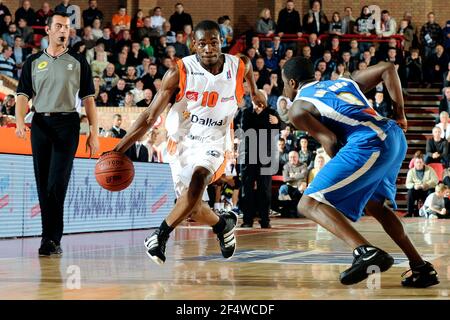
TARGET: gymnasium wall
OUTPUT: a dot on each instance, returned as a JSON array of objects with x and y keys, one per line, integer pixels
[{"x": 245, "y": 13}]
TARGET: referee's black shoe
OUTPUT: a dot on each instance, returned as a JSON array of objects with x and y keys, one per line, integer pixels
[
  {"x": 421, "y": 276},
  {"x": 365, "y": 257},
  {"x": 49, "y": 248}
]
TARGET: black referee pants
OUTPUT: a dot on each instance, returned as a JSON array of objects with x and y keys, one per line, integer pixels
[
  {"x": 258, "y": 200},
  {"x": 54, "y": 142}
]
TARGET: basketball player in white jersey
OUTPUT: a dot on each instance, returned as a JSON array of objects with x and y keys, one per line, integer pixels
[{"x": 208, "y": 87}]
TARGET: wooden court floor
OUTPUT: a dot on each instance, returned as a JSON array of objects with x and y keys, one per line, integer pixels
[{"x": 294, "y": 260}]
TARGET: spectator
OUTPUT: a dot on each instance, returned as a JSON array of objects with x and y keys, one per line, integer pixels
[
  {"x": 42, "y": 16},
  {"x": 420, "y": 181},
  {"x": 381, "y": 106},
  {"x": 157, "y": 19},
  {"x": 79, "y": 47},
  {"x": 444, "y": 125},
  {"x": 88, "y": 38},
  {"x": 137, "y": 21},
  {"x": 179, "y": 18},
  {"x": 11, "y": 35},
  {"x": 26, "y": 12},
  {"x": 19, "y": 54},
  {"x": 446, "y": 33},
  {"x": 188, "y": 37},
  {"x": 289, "y": 20},
  {"x": 437, "y": 148},
  {"x": 348, "y": 63},
  {"x": 102, "y": 99},
  {"x": 161, "y": 47},
  {"x": 407, "y": 32},
  {"x": 74, "y": 15},
  {"x": 4, "y": 11},
  {"x": 437, "y": 65},
  {"x": 270, "y": 60},
  {"x": 264, "y": 74},
  {"x": 73, "y": 38},
  {"x": 171, "y": 54},
  {"x": 417, "y": 154},
  {"x": 354, "y": 50},
  {"x": 117, "y": 93},
  {"x": 444, "y": 104},
  {"x": 92, "y": 13},
  {"x": 315, "y": 21},
  {"x": 166, "y": 64},
  {"x": 98, "y": 66},
  {"x": 147, "y": 48},
  {"x": 147, "y": 30},
  {"x": 138, "y": 91},
  {"x": 316, "y": 47},
  {"x": 335, "y": 49},
  {"x": 289, "y": 138},
  {"x": 365, "y": 24},
  {"x": 319, "y": 163},
  {"x": 434, "y": 206},
  {"x": 181, "y": 50},
  {"x": 226, "y": 31},
  {"x": 283, "y": 155},
  {"x": 295, "y": 174},
  {"x": 116, "y": 131},
  {"x": 168, "y": 33},
  {"x": 148, "y": 98},
  {"x": 256, "y": 45},
  {"x": 278, "y": 48},
  {"x": 265, "y": 24},
  {"x": 306, "y": 53},
  {"x": 4, "y": 24},
  {"x": 414, "y": 67},
  {"x": 336, "y": 24},
  {"x": 138, "y": 152},
  {"x": 128, "y": 102},
  {"x": 387, "y": 26},
  {"x": 107, "y": 41},
  {"x": 136, "y": 55},
  {"x": 130, "y": 78},
  {"x": 126, "y": 40},
  {"x": 330, "y": 64},
  {"x": 430, "y": 36},
  {"x": 141, "y": 70},
  {"x": 275, "y": 85},
  {"x": 9, "y": 106},
  {"x": 348, "y": 22},
  {"x": 7, "y": 64},
  {"x": 122, "y": 19},
  {"x": 305, "y": 155},
  {"x": 97, "y": 31}
]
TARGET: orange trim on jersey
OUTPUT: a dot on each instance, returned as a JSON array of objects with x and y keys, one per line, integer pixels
[
  {"x": 219, "y": 171},
  {"x": 171, "y": 146},
  {"x": 240, "y": 82},
  {"x": 182, "y": 81},
  {"x": 370, "y": 111}
]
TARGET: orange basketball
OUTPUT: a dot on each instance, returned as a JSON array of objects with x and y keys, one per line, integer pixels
[{"x": 114, "y": 171}]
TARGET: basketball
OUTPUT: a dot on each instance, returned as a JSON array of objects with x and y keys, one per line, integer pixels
[{"x": 114, "y": 171}]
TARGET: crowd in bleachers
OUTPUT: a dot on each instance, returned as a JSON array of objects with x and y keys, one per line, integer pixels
[{"x": 130, "y": 54}]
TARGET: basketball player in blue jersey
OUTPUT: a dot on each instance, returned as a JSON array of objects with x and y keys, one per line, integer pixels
[{"x": 367, "y": 151}]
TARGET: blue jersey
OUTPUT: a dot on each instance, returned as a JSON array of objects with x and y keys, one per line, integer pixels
[{"x": 345, "y": 110}]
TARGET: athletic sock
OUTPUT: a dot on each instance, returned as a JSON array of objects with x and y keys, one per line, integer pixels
[
  {"x": 165, "y": 229},
  {"x": 219, "y": 226}
]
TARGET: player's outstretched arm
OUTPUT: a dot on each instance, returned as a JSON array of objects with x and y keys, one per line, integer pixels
[
  {"x": 146, "y": 119},
  {"x": 386, "y": 72},
  {"x": 303, "y": 119},
  {"x": 257, "y": 96}
]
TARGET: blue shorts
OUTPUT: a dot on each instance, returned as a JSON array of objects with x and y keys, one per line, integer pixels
[{"x": 362, "y": 170}]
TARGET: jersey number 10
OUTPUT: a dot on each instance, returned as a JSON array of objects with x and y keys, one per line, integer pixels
[{"x": 210, "y": 99}]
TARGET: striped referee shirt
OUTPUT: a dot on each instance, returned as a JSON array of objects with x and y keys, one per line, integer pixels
[{"x": 56, "y": 84}]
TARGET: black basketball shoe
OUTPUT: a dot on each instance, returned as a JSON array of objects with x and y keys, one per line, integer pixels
[
  {"x": 226, "y": 237},
  {"x": 365, "y": 257},
  {"x": 421, "y": 277},
  {"x": 156, "y": 246},
  {"x": 49, "y": 248}
]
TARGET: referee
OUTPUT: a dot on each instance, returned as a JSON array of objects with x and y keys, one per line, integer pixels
[{"x": 54, "y": 78}]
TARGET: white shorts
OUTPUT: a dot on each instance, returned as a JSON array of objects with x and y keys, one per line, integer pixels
[{"x": 187, "y": 155}]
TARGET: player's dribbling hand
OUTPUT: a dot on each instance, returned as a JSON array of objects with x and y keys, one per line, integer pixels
[{"x": 21, "y": 130}]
